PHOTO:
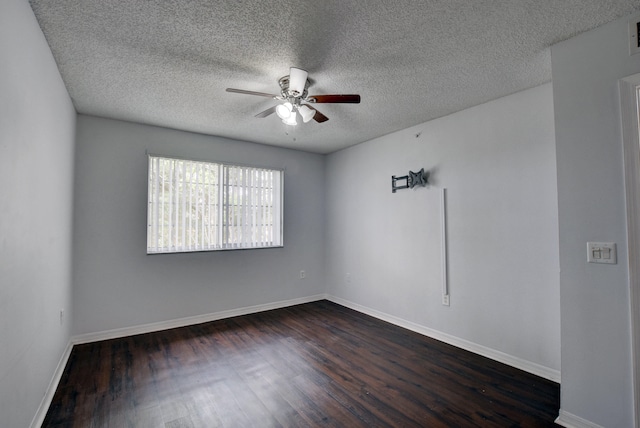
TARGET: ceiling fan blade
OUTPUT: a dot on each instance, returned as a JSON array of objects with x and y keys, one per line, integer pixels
[
  {"x": 297, "y": 80},
  {"x": 318, "y": 117},
  {"x": 353, "y": 98},
  {"x": 260, "y": 94},
  {"x": 267, "y": 112}
]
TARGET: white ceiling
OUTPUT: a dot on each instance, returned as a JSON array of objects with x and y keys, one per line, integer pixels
[{"x": 168, "y": 63}]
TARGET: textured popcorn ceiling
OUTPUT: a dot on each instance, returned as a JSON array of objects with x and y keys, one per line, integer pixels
[{"x": 168, "y": 63}]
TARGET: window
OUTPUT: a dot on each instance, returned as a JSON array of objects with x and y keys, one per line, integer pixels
[{"x": 205, "y": 206}]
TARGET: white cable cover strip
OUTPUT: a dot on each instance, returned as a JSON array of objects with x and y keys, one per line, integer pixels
[{"x": 443, "y": 241}]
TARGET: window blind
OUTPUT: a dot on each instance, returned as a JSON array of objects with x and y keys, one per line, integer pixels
[{"x": 207, "y": 206}]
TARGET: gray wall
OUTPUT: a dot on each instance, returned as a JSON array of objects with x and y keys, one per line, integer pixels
[
  {"x": 37, "y": 123},
  {"x": 497, "y": 162},
  {"x": 116, "y": 285},
  {"x": 596, "y": 349}
]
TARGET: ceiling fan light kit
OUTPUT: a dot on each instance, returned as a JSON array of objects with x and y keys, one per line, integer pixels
[
  {"x": 306, "y": 113},
  {"x": 284, "y": 110},
  {"x": 294, "y": 93},
  {"x": 290, "y": 119}
]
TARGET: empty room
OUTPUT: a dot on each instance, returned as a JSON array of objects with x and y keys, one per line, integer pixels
[{"x": 346, "y": 213}]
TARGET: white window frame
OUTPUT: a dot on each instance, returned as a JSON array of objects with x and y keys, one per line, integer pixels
[{"x": 227, "y": 206}]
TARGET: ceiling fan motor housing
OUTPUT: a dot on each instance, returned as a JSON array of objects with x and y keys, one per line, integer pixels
[{"x": 286, "y": 93}]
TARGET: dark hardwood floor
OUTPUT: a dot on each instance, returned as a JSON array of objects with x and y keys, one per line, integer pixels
[{"x": 317, "y": 364}]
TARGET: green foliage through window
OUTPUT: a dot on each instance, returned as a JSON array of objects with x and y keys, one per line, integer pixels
[{"x": 205, "y": 206}]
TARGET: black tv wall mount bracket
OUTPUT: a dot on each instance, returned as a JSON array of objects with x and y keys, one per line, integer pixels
[{"x": 410, "y": 180}]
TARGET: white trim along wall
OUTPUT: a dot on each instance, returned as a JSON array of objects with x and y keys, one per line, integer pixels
[
  {"x": 630, "y": 113},
  {"x": 183, "y": 322},
  {"x": 596, "y": 354}
]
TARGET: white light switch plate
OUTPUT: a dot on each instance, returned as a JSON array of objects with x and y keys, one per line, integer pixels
[{"x": 602, "y": 252}]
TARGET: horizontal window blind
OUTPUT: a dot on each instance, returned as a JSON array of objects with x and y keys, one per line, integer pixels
[{"x": 207, "y": 206}]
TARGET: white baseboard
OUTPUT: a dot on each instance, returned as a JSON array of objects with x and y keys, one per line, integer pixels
[
  {"x": 519, "y": 363},
  {"x": 569, "y": 420},
  {"x": 565, "y": 419},
  {"x": 183, "y": 322},
  {"x": 41, "y": 413}
]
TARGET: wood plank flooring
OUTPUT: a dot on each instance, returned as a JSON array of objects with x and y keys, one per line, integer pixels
[{"x": 317, "y": 364}]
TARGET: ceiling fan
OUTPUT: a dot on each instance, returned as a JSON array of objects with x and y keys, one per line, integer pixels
[{"x": 294, "y": 93}]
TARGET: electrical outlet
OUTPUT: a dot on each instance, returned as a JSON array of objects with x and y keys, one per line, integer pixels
[
  {"x": 347, "y": 278},
  {"x": 303, "y": 274},
  {"x": 445, "y": 299}
]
